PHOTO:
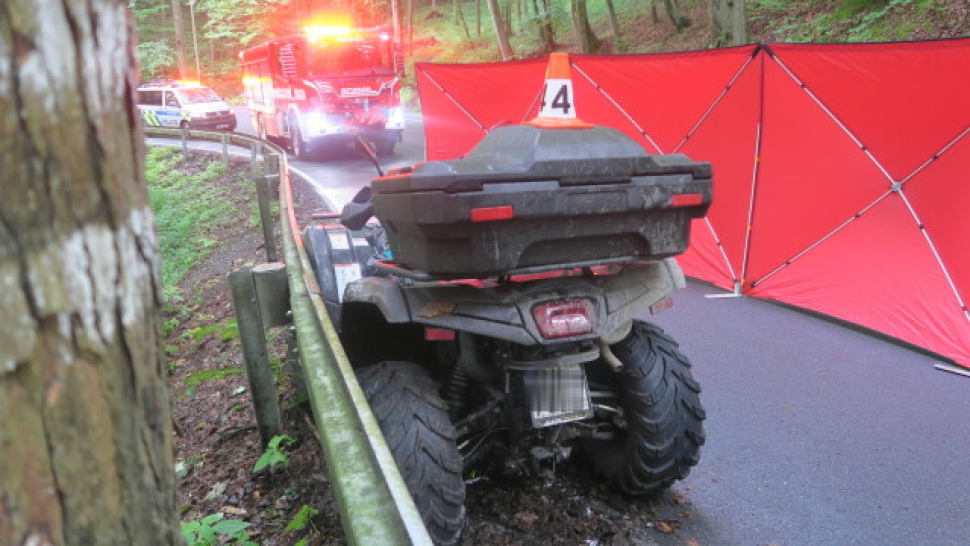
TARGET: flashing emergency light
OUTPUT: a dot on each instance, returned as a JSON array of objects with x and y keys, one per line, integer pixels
[{"x": 318, "y": 32}]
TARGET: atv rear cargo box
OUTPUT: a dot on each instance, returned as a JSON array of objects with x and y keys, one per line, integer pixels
[{"x": 528, "y": 198}]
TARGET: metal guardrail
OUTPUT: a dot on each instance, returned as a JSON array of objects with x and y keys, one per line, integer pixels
[{"x": 375, "y": 506}]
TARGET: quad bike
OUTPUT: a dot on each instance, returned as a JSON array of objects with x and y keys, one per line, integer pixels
[{"x": 494, "y": 314}]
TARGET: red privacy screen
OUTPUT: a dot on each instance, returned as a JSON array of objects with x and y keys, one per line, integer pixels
[{"x": 841, "y": 178}]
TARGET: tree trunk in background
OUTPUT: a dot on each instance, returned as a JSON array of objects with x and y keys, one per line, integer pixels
[
  {"x": 676, "y": 14},
  {"x": 614, "y": 24},
  {"x": 585, "y": 39},
  {"x": 179, "y": 39},
  {"x": 504, "y": 47},
  {"x": 86, "y": 440},
  {"x": 396, "y": 14},
  {"x": 729, "y": 22},
  {"x": 545, "y": 28},
  {"x": 653, "y": 12}
]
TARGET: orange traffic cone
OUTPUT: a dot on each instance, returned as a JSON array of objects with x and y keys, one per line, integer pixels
[{"x": 558, "y": 108}]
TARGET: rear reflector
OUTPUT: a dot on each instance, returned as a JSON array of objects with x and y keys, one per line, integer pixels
[
  {"x": 490, "y": 214},
  {"x": 565, "y": 318},
  {"x": 438, "y": 334},
  {"x": 662, "y": 305},
  {"x": 686, "y": 200}
]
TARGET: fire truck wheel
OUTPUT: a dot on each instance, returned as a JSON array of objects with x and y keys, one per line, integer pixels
[
  {"x": 385, "y": 144},
  {"x": 657, "y": 420},
  {"x": 300, "y": 148},
  {"x": 414, "y": 420}
]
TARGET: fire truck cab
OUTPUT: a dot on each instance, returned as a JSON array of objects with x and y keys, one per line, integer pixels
[{"x": 332, "y": 83}]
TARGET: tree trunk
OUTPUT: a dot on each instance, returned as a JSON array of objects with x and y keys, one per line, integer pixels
[
  {"x": 396, "y": 22},
  {"x": 614, "y": 24},
  {"x": 729, "y": 22},
  {"x": 676, "y": 14},
  {"x": 179, "y": 39},
  {"x": 545, "y": 28},
  {"x": 653, "y": 12},
  {"x": 86, "y": 440},
  {"x": 504, "y": 47},
  {"x": 585, "y": 39}
]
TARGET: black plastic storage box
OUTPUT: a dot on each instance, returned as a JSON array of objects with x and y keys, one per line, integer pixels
[{"x": 528, "y": 198}]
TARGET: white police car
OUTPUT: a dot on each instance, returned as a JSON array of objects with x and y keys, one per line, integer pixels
[{"x": 167, "y": 103}]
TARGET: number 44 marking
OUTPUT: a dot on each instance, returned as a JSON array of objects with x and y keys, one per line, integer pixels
[{"x": 557, "y": 99}]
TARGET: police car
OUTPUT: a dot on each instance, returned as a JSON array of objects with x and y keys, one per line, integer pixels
[{"x": 166, "y": 103}]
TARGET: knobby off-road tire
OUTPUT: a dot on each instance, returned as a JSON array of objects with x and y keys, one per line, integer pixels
[
  {"x": 662, "y": 412},
  {"x": 415, "y": 423},
  {"x": 384, "y": 144}
]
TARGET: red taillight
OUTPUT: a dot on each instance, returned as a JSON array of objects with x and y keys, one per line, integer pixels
[
  {"x": 686, "y": 200},
  {"x": 489, "y": 214},
  {"x": 438, "y": 334},
  {"x": 564, "y": 318}
]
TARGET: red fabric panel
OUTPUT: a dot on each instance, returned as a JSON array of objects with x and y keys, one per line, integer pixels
[
  {"x": 666, "y": 93},
  {"x": 813, "y": 177},
  {"x": 904, "y": 101},
  {"x": 728, "y": 139},
  {"x": 493, "y": 93},
  {"x": 878, "y": 272},
  {"x": 703, "y": 259},
  {"x": 939, "y": 195}
]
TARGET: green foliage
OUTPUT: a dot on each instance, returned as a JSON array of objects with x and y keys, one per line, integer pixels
[
  {"x": 187, "y": 204},
  {"x": 205, "y": 532},
  {"x": 227, "y": 331},
  {"x": 156, "y": 59},
  {"x": 302, "y": 518},
  {"x": 217, "y": 374},
  {"x": 275, "y": 454}
]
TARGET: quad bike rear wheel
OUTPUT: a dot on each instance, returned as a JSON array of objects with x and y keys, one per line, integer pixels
[
  {"x": 415, "y": 423},
  {"x": 658, "y": 415}
]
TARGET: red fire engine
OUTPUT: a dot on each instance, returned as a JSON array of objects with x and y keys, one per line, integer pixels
[{"x": 331, "y": 83}]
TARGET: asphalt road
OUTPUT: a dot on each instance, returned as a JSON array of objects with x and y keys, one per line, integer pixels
[
  {"x": 339, "y": 172},
  {"x": 817, "y": 434}
]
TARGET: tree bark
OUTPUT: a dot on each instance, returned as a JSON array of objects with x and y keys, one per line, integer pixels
[
  {"x": 729, "y": 22},
  {"x": 86, "y": 441},
  {"x": 676, "y": 14},
  {"x": 614, "y": 24},
  {"x": 504, "y": 47},
  {"x": 545, "y": 27},
  {"x": 585, "y": 38},
  {"x": 180, "y": 39}
]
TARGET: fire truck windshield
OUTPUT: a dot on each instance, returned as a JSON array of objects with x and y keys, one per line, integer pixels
[{"x": 350, "y": 58}]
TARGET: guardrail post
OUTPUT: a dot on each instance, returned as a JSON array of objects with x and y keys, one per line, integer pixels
[
  {"x": 225, "y": 148},
  {"x": 185, "y": 141},
  {"x": 246, "y": 303},
  {"x": 266, "y": 216},
  {"x": 272, "y": 167},
  {"x": 253, "y": 153}
]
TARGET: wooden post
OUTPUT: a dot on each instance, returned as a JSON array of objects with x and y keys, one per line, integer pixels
[
  {"x": 253, "y": 339},
  {"x": 253, "y": 154},
  {"x": 266, "y": 216},
  {"x": 185, "y": 141},
  {"x": 225, "y": 148}
]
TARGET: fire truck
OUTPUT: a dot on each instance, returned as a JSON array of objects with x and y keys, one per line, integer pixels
[{"x": 329, "y": 84}]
